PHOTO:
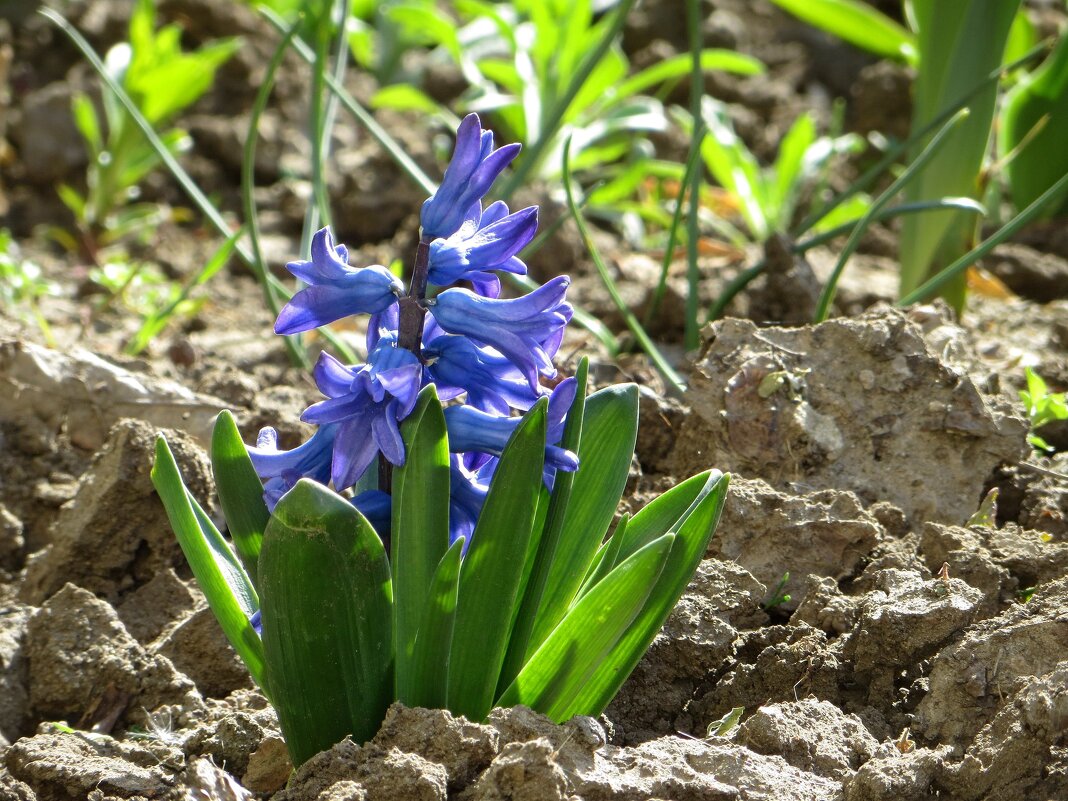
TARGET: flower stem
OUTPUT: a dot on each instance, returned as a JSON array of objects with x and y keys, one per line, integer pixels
[{"x": 413, "y": 306}]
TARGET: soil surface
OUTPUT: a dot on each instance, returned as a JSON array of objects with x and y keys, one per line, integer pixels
[{"x": 881, "y": 647}]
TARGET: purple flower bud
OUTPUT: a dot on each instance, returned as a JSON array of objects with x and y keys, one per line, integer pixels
[
  {"x": 525, "y": 330},
  {"x": 480, "y": 246},
  {"x": 474, "y": 167},
  {"x": 336, "y": 290}
]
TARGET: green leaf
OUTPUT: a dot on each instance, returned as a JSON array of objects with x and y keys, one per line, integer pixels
[
  {"x": 493, "y": 569},
  {"x": 539, "y": 561},
  {"x": 420, "y": 526},
  {"x": 327, "y": 620},
  {"x": 87, "y": 123},
  {"x": 72, "y": 200},
  {"x": 560, "y": 669},
  {"x": 607, "y": 557},
  {"x": 857, "y": 23},
  {"x": 692, "y": 534},
  {"x": 681, "y": 65},
  {"x": 609, "y": 431},
  {"x": 430, "y": 657},
  {"x": 227, "y": 587},
  {"x": 658, "y": 516},
  {"x": 403, "y": 97},
  {"x": 240, "y": 492},
  {"x": 788, "y": 171}
]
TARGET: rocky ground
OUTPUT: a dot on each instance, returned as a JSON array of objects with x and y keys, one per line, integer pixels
[{"x": 916, "y": 657}]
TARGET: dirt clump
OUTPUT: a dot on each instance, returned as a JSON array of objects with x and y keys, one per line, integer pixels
[{"x": 863, "y": 404}]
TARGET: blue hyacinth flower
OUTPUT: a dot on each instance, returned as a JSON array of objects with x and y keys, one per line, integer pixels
[
  {"x": 526, "y": 330},
  {"x": 474, "y": 167},
  {"x": 366, "y": 402},
  {"x": 457, "y": 365},
  {"x": 467, "y": 495},
  {"x": 377, "y": 507},
  {"x": 471, "y": 429},
  {"x": 281, "y": 470},
  {"x": 335, "y": 289},
  {"x": 485, "y": 242}
]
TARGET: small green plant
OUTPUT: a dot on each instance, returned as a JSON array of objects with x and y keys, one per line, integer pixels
[
  {"x": 766, "y": 197},
  {"x": 777, "y": 597},
  {"x": 1042, "y": 407},
  {"x": 548, "y": 72},
  {"x": 162, "y": 80},
  {"x": 1034, "y": 128},
  {"x": 22, "y": 284}
]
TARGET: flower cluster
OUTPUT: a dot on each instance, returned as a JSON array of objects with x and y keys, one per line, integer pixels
[{"x": 474, "y": 346}]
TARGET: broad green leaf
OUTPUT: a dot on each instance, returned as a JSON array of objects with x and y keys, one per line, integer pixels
[
  {"x": 430, "y": 658},
  {"x": 658, "y": 516},
  {"x": 607, "y": 557},
  {"x": 420, "y": 527},
  {"x": 857, "y": 23},
  {"x": 72, "y": 200},
  {"x": 681, "y": 65},
  {"x": 403, "y": 97},
  {"x": 493, "y": 569},
  {"x": 609, "y": 430},
  {"x": 692, "y": 534},
  {"x": 540, "y": 557},
  {"x": 240, "y": 492},
  {"x": 788, "y": 171},
  {"x": 227, "y": 587},
  {"x": 87, "y": 123},
  {"x": 559, "y": 670},
  {"x": 1034, "y": 126},
  {"x": 957, "y": 40},
  {"x": 327, "y": 620},
  {"x": 734, "y": 167}
]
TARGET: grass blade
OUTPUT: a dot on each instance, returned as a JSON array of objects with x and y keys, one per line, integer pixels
[
  {"x": 914, "y": 169},
  {"x": 671, "y": 378},
  {"x": 1010, "y": 228}
]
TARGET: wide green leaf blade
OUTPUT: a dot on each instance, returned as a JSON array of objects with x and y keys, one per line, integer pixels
[
  {"x": 420, "y": 526},
  {"x": 327, "y": 620},
  {"x": 659, "y": 515},
  {"x": 240, "y": 492},
  {"x": 430, "y": 657},
  {"x": 493, "y": 569},
  {"x": 607, "y": 557},
  {"x": 857, "y": 23},
  {"x": 681, "y": 65},
  {"x": 561, "y": 667},
  {"x": 546, "y": 539},
  {"x": 228, "y": 589},
  {"x": 609, "y": 430},
  {"x": 692, "y": 534}
]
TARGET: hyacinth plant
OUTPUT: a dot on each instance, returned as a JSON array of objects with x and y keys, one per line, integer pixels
[{"x": 442, "y": 538}]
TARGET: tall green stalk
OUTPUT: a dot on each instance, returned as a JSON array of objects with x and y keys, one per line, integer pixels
[{"x": 957, "y": 40}]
